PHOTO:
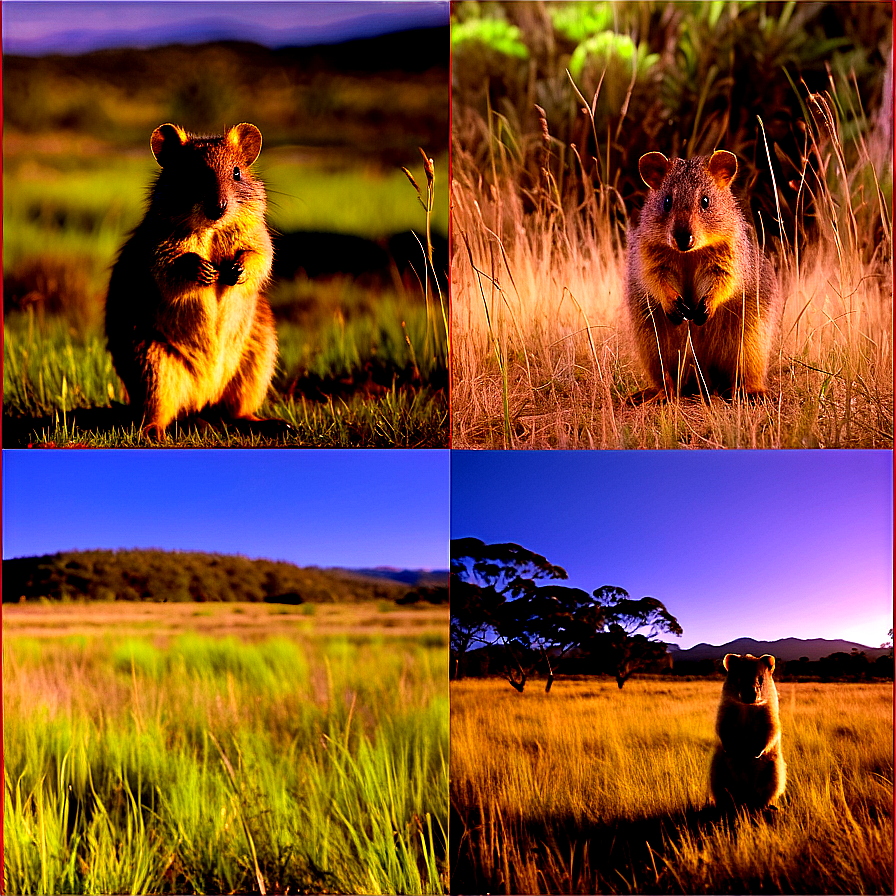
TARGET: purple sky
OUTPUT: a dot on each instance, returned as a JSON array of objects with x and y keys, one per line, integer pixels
[
  {"x": 78, "y": 26},
  {"x": 754, "y": 544},
  {"x": 326, "y": 508}
]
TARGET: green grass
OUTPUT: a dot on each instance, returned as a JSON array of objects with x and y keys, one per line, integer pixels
[
  {"x": 81, "y": 204},
  {"x": 52, "y": 371},
  {"x": 299, "y": 764},
  {"x": 590, "y": 789},
  {"x": 364, "y": 201},
  {"x": 359, "y": 365}
]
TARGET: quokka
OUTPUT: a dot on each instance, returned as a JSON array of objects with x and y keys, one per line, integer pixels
[{"x": 186, "y": 321}]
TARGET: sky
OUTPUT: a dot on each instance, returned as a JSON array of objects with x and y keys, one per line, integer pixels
[
  {"x": 34, "y": 27},
  {"x": 755, "y": 544},
  {"x": 352, "y": 509}
]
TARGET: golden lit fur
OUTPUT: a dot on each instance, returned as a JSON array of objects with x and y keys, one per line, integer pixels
[{"x": 186, "y": 323}]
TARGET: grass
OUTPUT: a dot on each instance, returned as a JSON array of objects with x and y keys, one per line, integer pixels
[
  {"x": 361, "y": 364},
  {"x": 298, "y": 759},
  {"x": 593, "y": 790},
  {"x": 543, "y": 353},
  {"x": 60, "y": 388}
]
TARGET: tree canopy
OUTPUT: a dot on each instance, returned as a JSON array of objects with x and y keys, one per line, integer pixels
[{"x": 500, "y": 606}]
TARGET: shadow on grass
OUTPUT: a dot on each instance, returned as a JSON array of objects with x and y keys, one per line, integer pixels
[
  {"x": 371, "y": 379},
  {"x": 573, "y": 855}
]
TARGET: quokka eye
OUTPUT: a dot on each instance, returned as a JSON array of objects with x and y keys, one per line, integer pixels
[
  {"x": 236, "y": 174},
  {"x": 667, "y": 203},
  {"x": 704, "y": 202}
]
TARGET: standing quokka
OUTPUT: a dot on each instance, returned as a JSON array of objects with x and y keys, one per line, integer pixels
[
  {"x": 748, "y": 770},
  {"x": 703, "y": 299},
  {"x": 186, "y": 322}
]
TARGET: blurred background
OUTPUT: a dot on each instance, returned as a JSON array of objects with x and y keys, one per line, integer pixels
[{"x": 345, "y": 95}]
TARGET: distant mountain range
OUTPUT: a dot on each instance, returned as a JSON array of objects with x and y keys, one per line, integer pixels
[
  {"x": 230, "y": 24},
  {"x": 785, "y": 649},
  {"x": 425, "y": 578}
]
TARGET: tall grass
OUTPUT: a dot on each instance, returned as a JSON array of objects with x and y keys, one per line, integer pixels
[
  {"x": 590, "y": 789},
  {"x": 543, "y": 353},
  {"x": 304, "y": 765}
]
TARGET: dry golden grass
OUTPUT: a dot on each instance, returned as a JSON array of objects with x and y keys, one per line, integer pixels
[
  {"x": 590, "y": 789},
  {"x": 246, "y": 621},
  {"x": 542, "y": 352}
]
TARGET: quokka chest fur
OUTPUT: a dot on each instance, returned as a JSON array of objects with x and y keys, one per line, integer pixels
[{"x": 186, "y": 321}]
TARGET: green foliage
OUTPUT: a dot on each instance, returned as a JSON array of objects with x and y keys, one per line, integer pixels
[
  {"x": 180, "y": 576},
  {"x": 495, "y": 34},
  {"x": 606, "y": 50},
  {"x": 583, "y": 21}
]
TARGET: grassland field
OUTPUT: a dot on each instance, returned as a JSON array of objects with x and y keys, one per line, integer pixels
[
  {"x": 175, "y": 748},
  {"x": 589, "y": 789},
  {"x": 544, "y": 351},
  {"x": 375, "y": 351}
]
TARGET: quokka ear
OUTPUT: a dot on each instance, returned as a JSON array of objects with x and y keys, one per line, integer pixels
[
  {"x": 722, "y": 167},
  {"x": 166, "y": 140},
  {"x": 246, "y": 138},
  {"x": 653, "y": 167}
]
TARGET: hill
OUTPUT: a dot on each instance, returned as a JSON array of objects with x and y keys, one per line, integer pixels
[
  {"x": 785, "y": 649},
  {"x": 157, "y": 575}
]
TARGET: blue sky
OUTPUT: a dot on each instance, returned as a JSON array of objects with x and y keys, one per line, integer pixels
[
  {"x": 34, "y": 27},
  {"x": 326, "y": 508},
  {"x": 755, "y": 544}
]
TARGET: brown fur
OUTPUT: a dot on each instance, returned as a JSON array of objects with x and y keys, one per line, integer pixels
[
  {"x": 748, "y": 770},
  {"x": 703, "y": 299},
  {"x": 186, "y": 323}
]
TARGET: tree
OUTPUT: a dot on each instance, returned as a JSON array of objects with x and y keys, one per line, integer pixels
[
  {"x": 488, "y": 582},
  {"x": 496, "y": 601},
  {"x": 623, "y": 648},
  {"x": 559, "y": 619},
  {"x": 472, "y": 618}
]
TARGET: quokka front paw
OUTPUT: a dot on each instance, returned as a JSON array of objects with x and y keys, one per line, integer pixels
[
  {"x": 206, "y": 272},
  {"x": 700, "y": 313},
  {"x": 694, "y": 312},
  {"x": 232, "y": 269},
  {"x": 677, "y": 313}
]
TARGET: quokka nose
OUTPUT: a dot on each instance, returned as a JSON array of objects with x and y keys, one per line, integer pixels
[{"x": 683, "y": 237}]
